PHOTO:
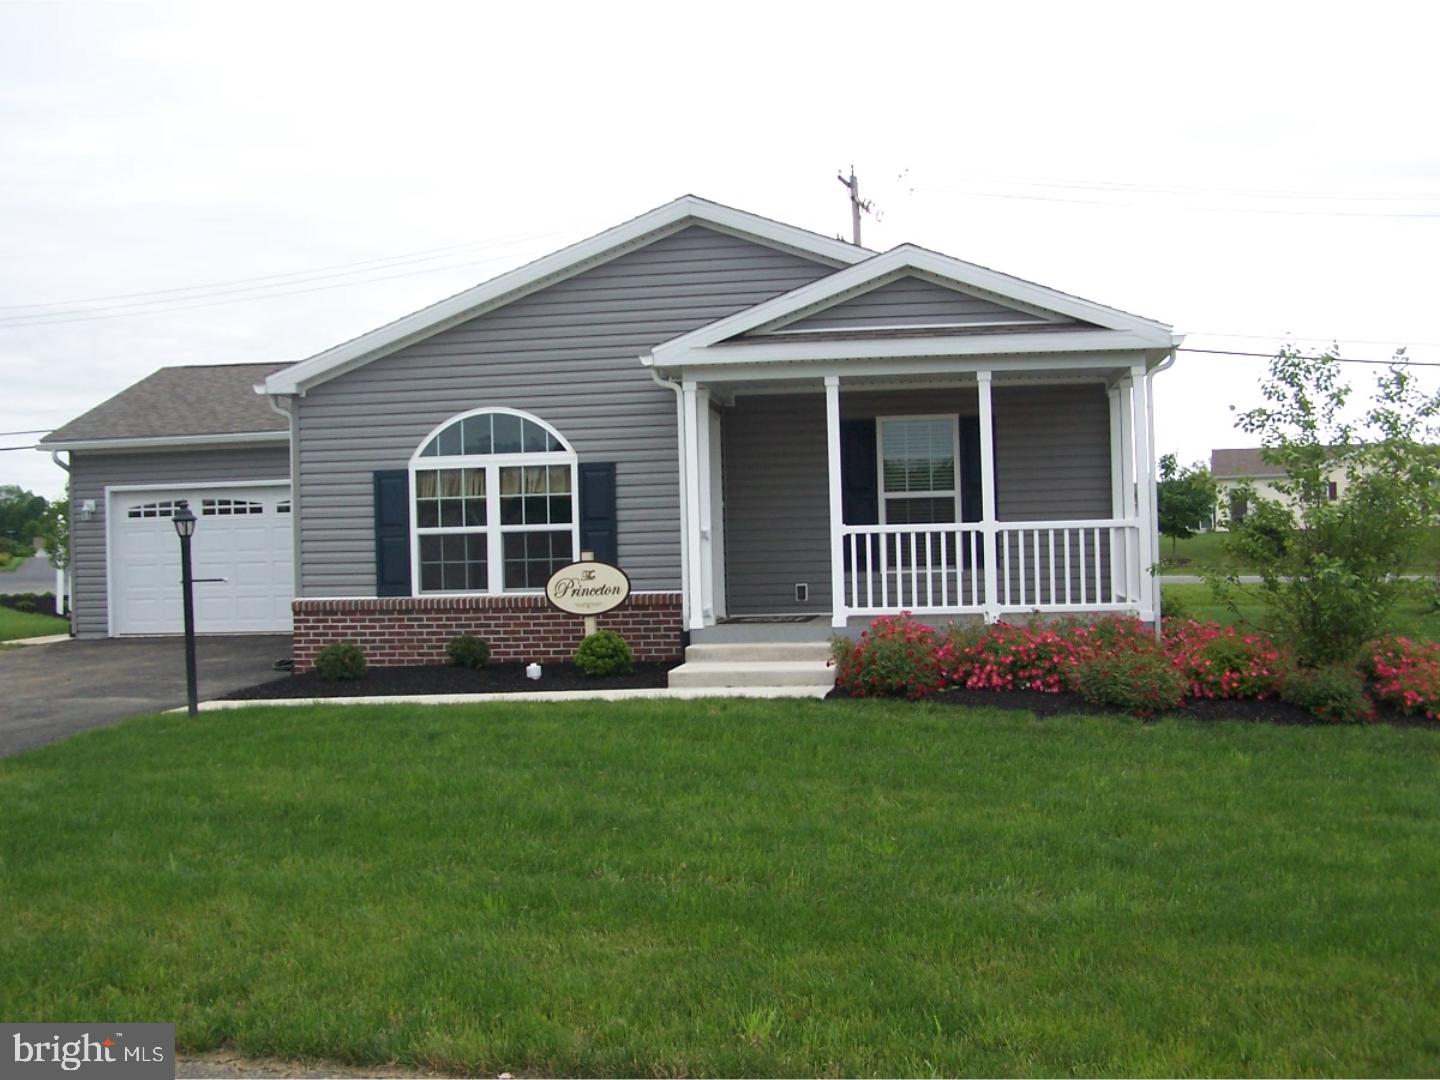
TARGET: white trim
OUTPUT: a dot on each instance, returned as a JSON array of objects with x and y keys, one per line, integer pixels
[
  {"x": 567, "y": 262},
  {"x": 493, "y": 530},
  {"x": 690, "y": 456},
  {"x": 760, "y": 351},
  {"x": 1145, "y": 509},
  {"x": 110, "y": 490},
  {"x": 1104, "y": 365},
  {"x": 987, "y": 496},
  {"x": 838, "y": 613},
  {"x": 892, "y": 327},
  {"x": 161, "y": 442},
  {"x": 908, "y": 257}
]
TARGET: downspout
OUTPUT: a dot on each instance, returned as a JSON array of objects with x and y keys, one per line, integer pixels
[
  {"x": 1164, "y": 365},
  {"x": 283, "y": 404},
  {"x": 649, "y": 361}
]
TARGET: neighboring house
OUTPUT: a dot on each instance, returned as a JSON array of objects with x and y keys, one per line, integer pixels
[
  {"x": 748, "y": 418},
  {"x": 1236, "y": 469}
]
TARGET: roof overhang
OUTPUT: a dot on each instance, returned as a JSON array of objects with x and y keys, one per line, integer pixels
[
  {"x": 645, "y": 229},
  {"x": 171, "y": 442},
  {"x": 721, "y": 344}
]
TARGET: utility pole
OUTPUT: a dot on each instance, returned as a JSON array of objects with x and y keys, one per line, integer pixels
[{"x": 856, "y": 204}]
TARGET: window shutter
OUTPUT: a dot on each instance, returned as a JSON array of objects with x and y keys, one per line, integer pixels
[
  {"x": 599, "y": 526},
  {"x": 859, "y": 473},
  {"x": 972, "y": 505},
  {"x": 392, "y": 532}
]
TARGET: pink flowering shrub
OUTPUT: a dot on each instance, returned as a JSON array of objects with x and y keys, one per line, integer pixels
[
  {"x": 896, "y": 657},
  {"x": 1222, "y": 662},
  {"x": 1040, "y": 658},
  {"x": 1405, "y": 674}
]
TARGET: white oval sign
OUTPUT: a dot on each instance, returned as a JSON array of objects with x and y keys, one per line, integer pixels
[{"x": 587, "y": 588}]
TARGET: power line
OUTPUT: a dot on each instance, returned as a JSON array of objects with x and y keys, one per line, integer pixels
[
  {"x": 27, "y": 431},
  {"x": 1208, "y": 189},
  {"x": 380, "y": 262},
  {"x": 1208, "y": 209},
  {"x": 1324, "y": 337},
  {"x": 14, "y": 322},
  {"x": 1337, "y": 359}
]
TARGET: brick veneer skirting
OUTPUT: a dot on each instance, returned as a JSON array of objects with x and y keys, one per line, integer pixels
[{"x": 399, "y": 630}]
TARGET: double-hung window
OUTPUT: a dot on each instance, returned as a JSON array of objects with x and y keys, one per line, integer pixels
[
  {"x": 918, "y": 474},
  {"x": 493, "y": 495}
]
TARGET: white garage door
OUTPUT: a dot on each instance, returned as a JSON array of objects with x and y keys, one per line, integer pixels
[{"x": 242, "y": 537}]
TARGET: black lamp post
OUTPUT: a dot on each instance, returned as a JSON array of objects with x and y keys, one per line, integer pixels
[{"x": 184, "y": 520}]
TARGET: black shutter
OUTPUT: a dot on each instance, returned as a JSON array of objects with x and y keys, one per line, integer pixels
[
  {"x": 971, "y": 504},
  {"x": 392, "y": 532},
  {"x": 859, "y": 473},
  {"x": 599, "y": 528}
]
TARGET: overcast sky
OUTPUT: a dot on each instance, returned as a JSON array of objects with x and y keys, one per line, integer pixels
[{"x": 294, "y": 175}]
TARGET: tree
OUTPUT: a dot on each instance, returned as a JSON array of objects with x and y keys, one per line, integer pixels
[
  {"x": 1186, "y": 499},
  {"x": 55, "y": 531},
  {"x": 1331, "y": 569},
  {"x": 21, "y": 512}
]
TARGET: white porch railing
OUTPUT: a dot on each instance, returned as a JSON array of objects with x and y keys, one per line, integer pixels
[{"x": 1049, "y": 566}]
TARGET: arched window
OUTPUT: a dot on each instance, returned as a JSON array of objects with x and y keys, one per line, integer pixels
[{"x": 493, "y": 504}]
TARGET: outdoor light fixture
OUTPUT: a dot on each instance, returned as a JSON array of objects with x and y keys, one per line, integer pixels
[
  {"x": 184, "y": 520},
  {"x": 532, "y": 671}
]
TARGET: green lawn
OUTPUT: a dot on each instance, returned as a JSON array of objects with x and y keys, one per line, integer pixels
[
  {"x": 20, "y": 624},
  {"x": 1206, "y": 550},
  {"x": 735, "y": 888},
  {"x": 1413, "y": 615}
]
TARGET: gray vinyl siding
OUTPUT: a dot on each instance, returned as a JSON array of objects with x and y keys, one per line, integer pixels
[
  {"x": 777, "y": 516},
  {"x": 91, "y": 473},
  {"x": 910, "y": 301},
  {"x": 1052, "y": 460},
  {"x": 569, "y": 355}
]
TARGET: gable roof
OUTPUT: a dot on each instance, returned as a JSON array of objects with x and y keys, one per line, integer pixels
[
  {"x": 681, "y": 213},
  {"x": 1244, "y": 461},
  {"x": 1094, "y": 326},
  {"x": 198, "y": 403}
]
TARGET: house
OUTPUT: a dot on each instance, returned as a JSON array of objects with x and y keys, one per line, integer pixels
[
  {"x": 1244, "y": 469},
  {"x": 752, "y": 420}
]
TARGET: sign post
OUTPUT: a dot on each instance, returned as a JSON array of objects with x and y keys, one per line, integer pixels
[{"x": 587, "y": 588}]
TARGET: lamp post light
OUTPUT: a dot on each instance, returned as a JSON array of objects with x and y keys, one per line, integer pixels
[{"x": 184, "y": 519}]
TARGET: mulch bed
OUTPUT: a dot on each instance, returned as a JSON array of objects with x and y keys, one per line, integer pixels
[
  {"x": 491, "y": 679},
  {"x": 1270, "y": 711}
]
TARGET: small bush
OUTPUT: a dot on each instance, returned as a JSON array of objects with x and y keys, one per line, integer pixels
[
  {"x": 341, "y": 662},
  {"x": 28, "y": 606},
  {"x": 468, "y": 651},
  {"x": 1335, "y": 694},
  {"x": 1221, "y": 662},
  {"x": 1143, "y": 682},
  {"x": 605, "y": 653},
  {"x": 896, "y": 657},
  {"x": 1406, "y": 675}
]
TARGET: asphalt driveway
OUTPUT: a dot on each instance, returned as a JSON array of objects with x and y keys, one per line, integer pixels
[{"x": 50, "y": 691}]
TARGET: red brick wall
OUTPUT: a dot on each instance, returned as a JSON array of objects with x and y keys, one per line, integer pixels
[{"x": 399, "y": 630}]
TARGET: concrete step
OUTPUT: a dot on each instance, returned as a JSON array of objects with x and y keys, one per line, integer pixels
[
  {"x": 749, "y": 652},
  {"x": 714, "y": 673}
]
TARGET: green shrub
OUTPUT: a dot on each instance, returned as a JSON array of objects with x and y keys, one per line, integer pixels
[
  {"x": 341, "y": 662},
  {"x": 469, "y": 651},
  {"x": 1335, "y": 693},
  {"x": 605, "y": 653},
  {"x": 896, "y": 657},
  {"x": 27, "y": 605},
  {"x": 1142, "y": 682}
]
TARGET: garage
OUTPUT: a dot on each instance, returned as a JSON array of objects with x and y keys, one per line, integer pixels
[{"x": 242, "y": 553}]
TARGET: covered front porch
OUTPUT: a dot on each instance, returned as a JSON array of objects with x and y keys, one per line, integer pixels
[{"x": 981, "y": 494}]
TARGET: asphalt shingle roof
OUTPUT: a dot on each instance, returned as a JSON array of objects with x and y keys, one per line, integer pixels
[
  {"x": 217, "y": 399},
  {"x": 1242, "y": 461}
]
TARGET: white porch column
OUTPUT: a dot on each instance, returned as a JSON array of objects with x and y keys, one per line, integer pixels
[
  {"x": 1117, "y": 498},
  {"x": 707, "y": 546},
  {"x": 987, "y": 497},
  {"x": 1144, "y": 507},
  {"x": 838, "y": 613},
  {"x": 694, "y": 562},
  {"x": 1155, "y": 597}
]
